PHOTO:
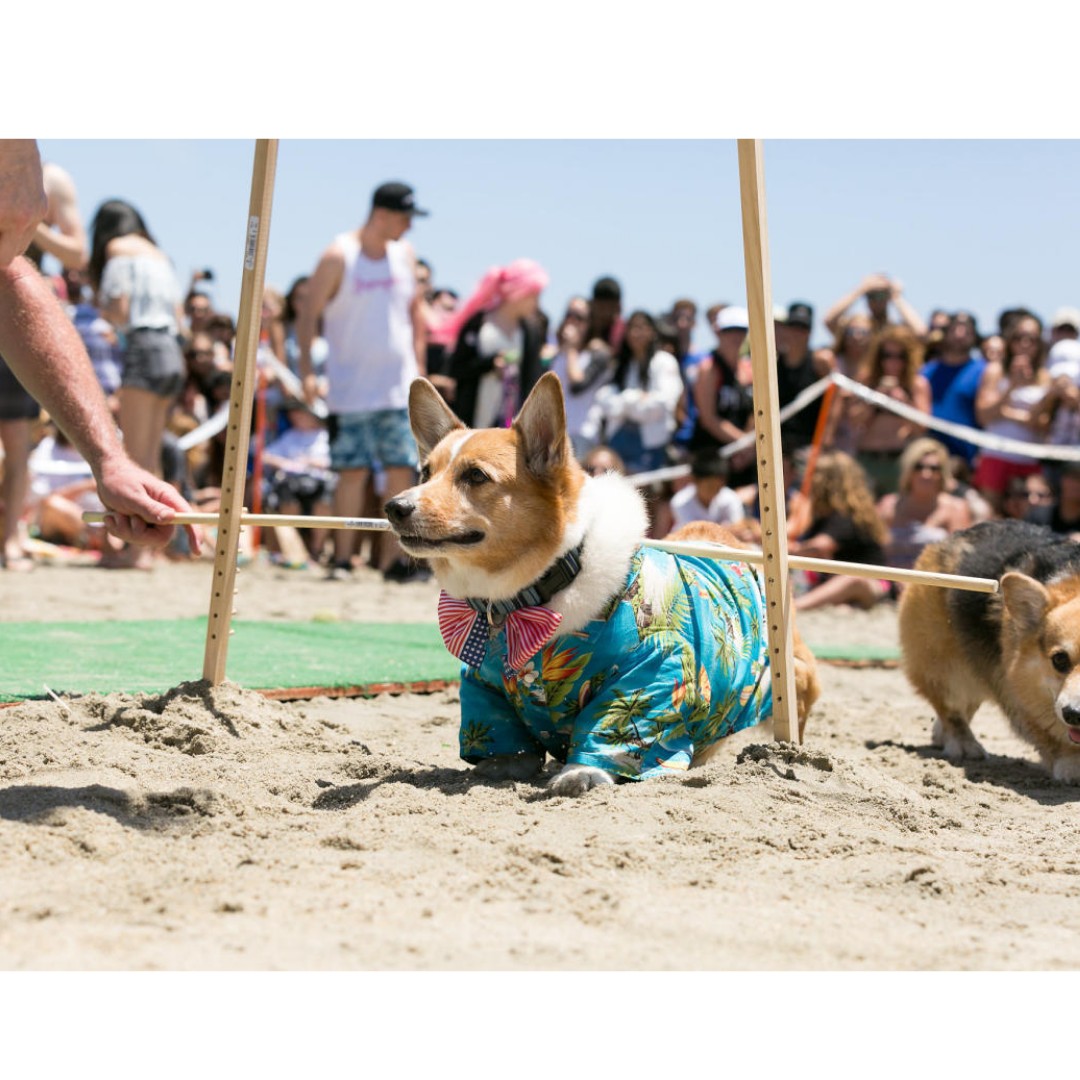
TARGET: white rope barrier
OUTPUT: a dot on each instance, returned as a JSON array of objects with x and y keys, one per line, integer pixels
[
  {"x": 983, "y": 439},
  {"x": 972, "y": 435},
  {"x": 206, "y": 430}
]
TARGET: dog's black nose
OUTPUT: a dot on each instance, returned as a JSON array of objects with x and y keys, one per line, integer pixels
[
  {"x": 1071, "y": 715},
  {"x": 399, "y": 509}
]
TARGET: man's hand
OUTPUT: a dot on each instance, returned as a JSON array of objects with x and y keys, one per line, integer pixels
[
  {"x": 23, "y": 202},
  {"x": 140, "y": 506}
]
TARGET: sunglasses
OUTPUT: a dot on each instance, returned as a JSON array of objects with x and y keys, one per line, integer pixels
[{"x": 893, "y": 354}]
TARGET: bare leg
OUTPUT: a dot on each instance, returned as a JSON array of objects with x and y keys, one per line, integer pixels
[
  {"x": 15, "y": 435},
  {"x": 399, "y": 478},
  {"x": 348, "y": 502},
  {"x": 142, "y": 421},
  {"x": 862, "y": 592}
]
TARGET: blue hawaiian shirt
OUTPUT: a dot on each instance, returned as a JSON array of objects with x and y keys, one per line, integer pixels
[{"x": 678, "y": 661}]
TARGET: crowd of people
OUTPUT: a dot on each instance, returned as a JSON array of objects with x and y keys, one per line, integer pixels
[{"x": 867, "y": 482}]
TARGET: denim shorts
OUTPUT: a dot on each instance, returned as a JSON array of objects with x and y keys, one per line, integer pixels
[
  {"x": 153, "y": 361},
  {"x": 366, "y": 439}
]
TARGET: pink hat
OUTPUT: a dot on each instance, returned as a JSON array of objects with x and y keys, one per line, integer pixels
[{"x": 522, "y": 277}]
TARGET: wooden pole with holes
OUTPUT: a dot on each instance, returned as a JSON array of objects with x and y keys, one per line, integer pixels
[
  {"x": 771, "y": 494},
  {"x": 234, "y": 472}
]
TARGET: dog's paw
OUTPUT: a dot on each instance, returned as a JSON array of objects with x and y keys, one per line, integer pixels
[
  {"x": 510, "y": 766},
  {"x": 577, "y": 779},
  {"x": 1066, "y": 769},
  {"x": 956, "y": 740}
]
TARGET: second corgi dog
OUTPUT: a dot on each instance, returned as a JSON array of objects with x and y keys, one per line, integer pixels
[
  {"x": 621, "y": 661},
  {"x": 1019, "y": 648}
]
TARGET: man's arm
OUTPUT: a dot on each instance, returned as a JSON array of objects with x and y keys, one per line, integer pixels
[
  {"x": 22, "y": 196},
  {"x": 42, "y": 347},
  {"x": 62, "y": 233},
  {"x": 322, "y": 288}
]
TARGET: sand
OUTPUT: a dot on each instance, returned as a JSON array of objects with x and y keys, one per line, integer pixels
[{"x": 215, "y": 829}]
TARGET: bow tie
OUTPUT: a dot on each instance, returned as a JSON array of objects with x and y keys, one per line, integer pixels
[{"x": 466, "y": 631}]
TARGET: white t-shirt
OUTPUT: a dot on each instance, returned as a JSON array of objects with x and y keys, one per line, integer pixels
[
  {"x": 308, "y": 449},
  {"x": 726, "y": 509}
]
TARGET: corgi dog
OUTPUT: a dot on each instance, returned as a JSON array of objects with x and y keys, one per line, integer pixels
[
  {"x": 1019, "y": 647},
  {"x": 621, "y": 661}
]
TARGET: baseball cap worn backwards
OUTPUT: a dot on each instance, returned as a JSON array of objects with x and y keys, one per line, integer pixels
[{"x": 395, "y": 195}]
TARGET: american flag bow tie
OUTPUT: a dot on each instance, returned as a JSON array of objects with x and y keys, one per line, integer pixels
[{"x": 465, "y": 631}]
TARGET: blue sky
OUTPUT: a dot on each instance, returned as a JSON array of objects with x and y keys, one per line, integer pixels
[{"x": 982, "y": 224}]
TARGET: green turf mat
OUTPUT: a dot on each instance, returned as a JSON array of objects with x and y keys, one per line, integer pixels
[
  {"x": 874, "y": 653},
  {"x": 145, "y": 656},
  {"x": 151, "y": 656}
]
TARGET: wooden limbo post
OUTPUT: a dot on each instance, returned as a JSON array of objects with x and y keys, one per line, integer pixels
[
  {"x": 773, "y": 558},
  {"x": 241, "y": 397},
  {"x": 771, "y": 493}
]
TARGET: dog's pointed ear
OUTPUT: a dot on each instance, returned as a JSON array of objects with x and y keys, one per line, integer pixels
[
  {"x": 430, "y": 418},
  {"x": 1025, "y": 600},
  {"x": 541, "y": 426}
]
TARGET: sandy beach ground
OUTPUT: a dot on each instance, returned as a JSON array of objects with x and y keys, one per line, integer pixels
[{"x": 215, "y": 829}]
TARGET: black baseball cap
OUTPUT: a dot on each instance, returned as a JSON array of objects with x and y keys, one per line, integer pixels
[
  {"x": 800, "y": 314},
  {"x": 395, "y": 195}
]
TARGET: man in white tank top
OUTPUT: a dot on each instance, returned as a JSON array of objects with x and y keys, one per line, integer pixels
[{"x": 364, "y": 290}]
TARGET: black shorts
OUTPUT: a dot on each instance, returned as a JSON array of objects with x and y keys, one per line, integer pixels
[{"x": 15, "y": 402}]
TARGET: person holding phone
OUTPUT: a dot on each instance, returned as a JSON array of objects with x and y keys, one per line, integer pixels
[{"x": 880, "y": 292}]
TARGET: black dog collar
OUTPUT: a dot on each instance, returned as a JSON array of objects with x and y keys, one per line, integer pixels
[{"x": 556, "y": 578}]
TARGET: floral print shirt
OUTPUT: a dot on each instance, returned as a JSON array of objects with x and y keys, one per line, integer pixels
[{"x": 678, "y": 661}]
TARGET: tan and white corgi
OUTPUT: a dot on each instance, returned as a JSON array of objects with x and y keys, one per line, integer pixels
[{"x": 621, "y": 661}]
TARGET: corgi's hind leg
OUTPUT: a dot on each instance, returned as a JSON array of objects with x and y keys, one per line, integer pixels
[
  {"x": 955, "y": 700},
  {"x": 933, "y": 666},
  {"x": 955, "y": 697},
  {"x": 952, "y": 734}
]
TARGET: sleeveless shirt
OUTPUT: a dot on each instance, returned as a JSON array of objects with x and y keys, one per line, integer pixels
[{"x": 371, "y": 357}]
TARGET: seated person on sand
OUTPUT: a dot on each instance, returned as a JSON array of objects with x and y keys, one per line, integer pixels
[
  {"x": 62, "y": 487},
  {"x": 844, "y": 526},
  {"x": 296, "y": 471},
  {"x": 707, "y": 497},
  {"x": 924, "y": 510}
]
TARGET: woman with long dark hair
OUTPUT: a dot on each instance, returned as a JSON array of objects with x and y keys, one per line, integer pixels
[
  {"x": 637, "y": 408},
  {"x": 138, "y": 292}
]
